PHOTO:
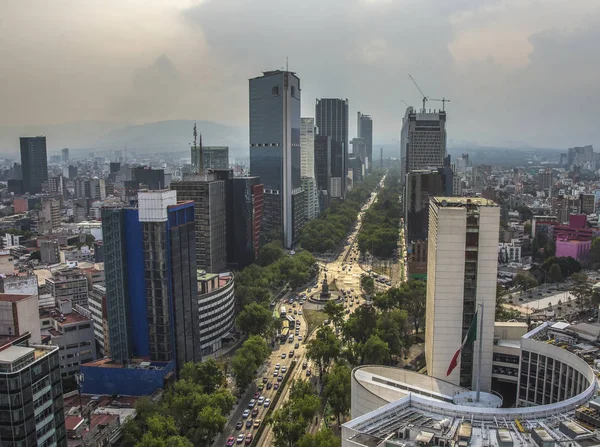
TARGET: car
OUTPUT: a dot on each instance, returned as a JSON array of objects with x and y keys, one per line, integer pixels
[
  {"x": 297, "y": 345},
  {"x": 277, "y": 366},
  {"x": 283, "y": 355},
  {"x": 283, "y": 369},
  {"x": 267, "y": 403},
  {"x": 276, "y": 386},
  {"x": 245, "y": 414},
  {"x": 308, "y": 372},
  {"x": 304, "y": 365},
  {"x": 265, "y": 380},
  {"x": 252, "y": 403},
  {"x": 256, "y": 395},
  {"x": 275, "y": 373},
  {"x": 291, "y": 354},
  {"x": 261, "y": 387},
  {"x": 230, "y": 441},
  {"x": 261, "y": 400},
  {"x": 248, "y": 439},
  {"x": 240, "y": 438},
  {"x": 297, "y": 333},
  {"x": 257, "y": 423},
  {"x": 309, "y": 290},
  {"x": 254, "y": 413},
  {"x": 280, "y": 378},
  {"x": 248, "y": 423},
  {"x": 295, "y": 312},
  {"x": 299, "y": 312},
  {"x": 239, "y": 424},
  {"x": 299, "y": 337},
  {"x": 269, "y": 385}
]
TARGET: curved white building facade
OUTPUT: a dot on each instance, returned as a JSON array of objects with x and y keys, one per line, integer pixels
[
  {"x": 216, "y": 310},
  {"x": 392, "y": 406}
]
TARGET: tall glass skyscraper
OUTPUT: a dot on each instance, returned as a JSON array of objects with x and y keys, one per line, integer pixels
[
  {"x": 331, "y": 119},
  {"x": 364, "y": 130},
  {"x": 275, "y": 150},
  {"x": 34, "y": 163}
]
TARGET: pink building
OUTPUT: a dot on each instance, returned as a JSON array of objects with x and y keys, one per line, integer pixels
[
  {"x": 574, "y": 248},
  {"x": 20, "y": 205}
]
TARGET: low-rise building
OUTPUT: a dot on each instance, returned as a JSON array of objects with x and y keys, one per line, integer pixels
[
  {"x": 49, "y": 252},
  {"x": 216, "y": 303},
  {"x": 72, "y": 330},
  {"x": 7, "y": 263},
  {"x": 68, "y": 283},
  {"x": 18, "y": 315},
  {"x": 77, "y": 254}
]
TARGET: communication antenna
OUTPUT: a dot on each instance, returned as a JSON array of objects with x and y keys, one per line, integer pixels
[
  {"x": 425, "y": 98},
  {"x": 403, "y": 101},
  {"x": 443, "y": 101},
  {"x": 199, "y": 149}
]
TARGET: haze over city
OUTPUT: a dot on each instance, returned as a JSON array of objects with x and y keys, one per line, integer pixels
[{"x": 518, "y": 73}]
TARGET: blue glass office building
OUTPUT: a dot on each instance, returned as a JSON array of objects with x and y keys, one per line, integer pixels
[{"x": 275, "y": 149}]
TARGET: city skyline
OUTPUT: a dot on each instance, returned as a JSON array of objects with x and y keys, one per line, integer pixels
[{"x": 492, "y": 55}]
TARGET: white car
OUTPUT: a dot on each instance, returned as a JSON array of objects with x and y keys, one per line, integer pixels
[
  {"x": 261, "y": 400},
  {"x": 267, "y": 403}
]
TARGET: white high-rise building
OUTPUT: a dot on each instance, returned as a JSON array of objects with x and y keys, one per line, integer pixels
[
  {"x": 307, "y": 147},
  {"x": 462, "y": 268}
]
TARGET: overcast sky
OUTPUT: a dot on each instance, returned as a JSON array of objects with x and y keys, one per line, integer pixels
[{"x": 515, "y": 70}]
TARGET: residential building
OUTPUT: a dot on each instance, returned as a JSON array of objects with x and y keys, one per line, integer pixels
[
  {"x": 71, "y": 329},
  {"x": 31, "y": 395},
  {"x": 7, "y": 263},
  {"x": 422, "y": 140},
  {"x": 462, "y": 270},
  {"x": 51, "y": 212},
  {"x": 18, "y": 315},
  {"x": 311, "y": 198},
  {"x": 323, "y": 168},
  {"x": 49, "y": 252},
  {"x": 545, "y": 179},
  {"x": 331, "y": 119},
  {"x": 563, "y": 206},
  {"x": 209, "y": 196},
  {"x": 216, "y": 307},
  {"x": 34, "y": 163},
  {"x": 510, "y": 251},
  {"x": 68, "y": 283},
  {"x": 587, "y": 203},
  {"x": 76, "y": 254},
  {"x": 275, "y": 150},
  {"x": 244, "y": 226},
  {"x": 364, "y": 131},
  {"x": 99, "y": 314}
]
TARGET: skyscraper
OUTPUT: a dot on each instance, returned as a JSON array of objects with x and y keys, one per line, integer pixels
[
  {"x": 422, "y": 141},
  {"x": 209, "y": 195},
  {"x": 331, "y": 118},
  {"x": 246, "y": 197},
  {"x": 214, "y": 157},
  {"x": 323, "y": 168},
  {"x": 34, "y": 163},
  {"x": 65, "y": 154},
  {"x": 275, "y": 150},
  {"x": 151, "y": 292},
  {"x": 307, "y": 145},
  {"x": 364, "y": 130},
  {"x": 462, "y": 270}
]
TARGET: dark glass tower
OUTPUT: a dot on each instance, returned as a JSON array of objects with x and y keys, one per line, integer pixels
[
  {"x": 246, "y": 218},
  {"x": 331, "y": 119},
  {"x": 275, "y": 148},
  {"x": 34, "y": 163},
  {"x": 364, "y": 130},
  {"x": 323, "y": 168}
]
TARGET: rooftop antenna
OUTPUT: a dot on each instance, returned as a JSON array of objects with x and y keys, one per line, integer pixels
[
  {"x": 425, "y": 98},
  {"x": 286, "y": 63},
  {"x": 403, "y": 101},
  {"x": 443, "y": 101},
  {"x": 200, "y": 154}
]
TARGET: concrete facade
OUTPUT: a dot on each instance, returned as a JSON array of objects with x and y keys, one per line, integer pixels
[{"x": 462, "y": 271}]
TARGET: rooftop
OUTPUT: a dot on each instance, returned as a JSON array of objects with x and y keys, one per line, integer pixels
[
  {"x": 459, "y": 202},
  {"x": 13, "y": 298},
  {"x": 134, "y": 364},
  {"x": 13, "y": 353}
]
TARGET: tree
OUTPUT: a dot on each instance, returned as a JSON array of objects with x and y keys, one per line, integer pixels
[
  {"x": 207, "y": 374},
  {"x": 375, "y": 351},
  {"x": 335, "y": 312},
  {"x": 415, "y": 302},
  {"x": 555, "y": 274},
  {"x": 323, "y": 438},
  {"x": 324, "y": 348},
  {"x": 247, "y": 359},
  {"x": 525, "y": 280},
  {"x": 504, "y": 313},
  {"x": 582, "y": 289},
  {"x": 595, "y": 250},
  {"x": 270, "y": 253},
  {"x": 255, "y": 319},
  {"x": 368, "y": 284},
  {"x": 337, "y": 389},
  {"x": 288, "y": 425},
  {"x": 360, "y": 325}
]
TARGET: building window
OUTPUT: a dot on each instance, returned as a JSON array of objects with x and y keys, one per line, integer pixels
[
  {"x": 275, "y": 90},
  {"x": 293, "y": 91}
]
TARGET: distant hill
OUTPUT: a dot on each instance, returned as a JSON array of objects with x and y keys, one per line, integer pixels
[{"x": 101, "y": 136}]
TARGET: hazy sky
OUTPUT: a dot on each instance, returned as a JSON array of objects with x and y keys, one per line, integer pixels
[{"x": 515, "y": 70}]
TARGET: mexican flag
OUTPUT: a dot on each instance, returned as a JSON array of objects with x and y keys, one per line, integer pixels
[{"x": 469, "y": 338}]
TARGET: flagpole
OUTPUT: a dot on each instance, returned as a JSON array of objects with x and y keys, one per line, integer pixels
[{"x": 480, "y": 354}]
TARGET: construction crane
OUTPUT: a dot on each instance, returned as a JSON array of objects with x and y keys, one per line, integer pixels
[
  {"x": 443, "y": 101},
  {"x": 425, "y": 98},
  {"x": 403, "y": 101}
]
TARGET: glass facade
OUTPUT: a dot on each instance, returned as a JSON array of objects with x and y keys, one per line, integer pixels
[{"x": 34, "y": 163}]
